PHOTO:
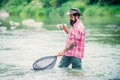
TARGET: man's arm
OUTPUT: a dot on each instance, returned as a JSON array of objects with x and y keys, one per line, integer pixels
[
  {"x": 65, "y": 29},
  {"x": 70, "y": 46},
  {"x": 61, "y": 53}
]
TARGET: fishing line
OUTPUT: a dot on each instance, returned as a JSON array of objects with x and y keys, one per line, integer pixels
[{"x": 56, "y": 13}]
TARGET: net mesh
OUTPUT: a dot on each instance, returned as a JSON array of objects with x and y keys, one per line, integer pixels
[{"x": 45, "y": 63}]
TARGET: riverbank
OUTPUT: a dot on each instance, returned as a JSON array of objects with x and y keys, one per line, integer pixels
[
  {"x": 38, "y": 11},
  {"x": 52, "y": 14}
]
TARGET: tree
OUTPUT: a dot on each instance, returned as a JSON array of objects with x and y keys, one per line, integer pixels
[
  {"x": 28, "y": 1},
  {"x": 2, "y": 2},
  {"x": 53, "y": 3},
  {"x": 109, "y": 2},
  {"x": 103, "y": 2},
  {"x": 93, "y": 2}
]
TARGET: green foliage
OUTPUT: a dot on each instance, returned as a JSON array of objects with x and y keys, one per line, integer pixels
[
  {"x": 93, "y": 1},
  {"x": 80, "y": 5},
  {"x": 53, "y": 3},
  {"x": 103, "y": 2},
  {"x": 109, "y": 2},
  {"x": 60, "y": 2},
  {"x": 102, "y": 11},
  {"x": 15, "y": 2},
  {"x": 3, "y": 2},
  {"x": 67, "y": 6},
  {"x": 54, "y": 11},
  {"x": 28, "y": 1}
]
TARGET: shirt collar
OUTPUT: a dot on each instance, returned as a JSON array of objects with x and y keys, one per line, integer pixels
[{"x": 78, "y": 21}]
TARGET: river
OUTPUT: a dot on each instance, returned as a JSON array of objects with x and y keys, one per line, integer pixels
[{"x": 19, "y": 49}]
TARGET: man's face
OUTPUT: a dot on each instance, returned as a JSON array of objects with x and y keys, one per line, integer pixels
[
  {"x": 72, "y": 20},
  {"x": 72, "y": 17}
]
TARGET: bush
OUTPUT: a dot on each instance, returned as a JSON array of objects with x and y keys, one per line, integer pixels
[{"x": 96, "y": 10}]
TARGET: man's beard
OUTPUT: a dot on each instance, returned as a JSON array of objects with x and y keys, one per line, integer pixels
[{"x": 72, "y": 22}]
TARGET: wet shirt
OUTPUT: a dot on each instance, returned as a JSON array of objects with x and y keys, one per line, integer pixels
[{"x": 77, "y": 35}]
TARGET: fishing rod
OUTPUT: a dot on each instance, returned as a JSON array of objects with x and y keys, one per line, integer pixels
[
  {"x": 56, "y": 13},
  {"x": 53, "y": 9},
  {"x": 59, "y": 18}
]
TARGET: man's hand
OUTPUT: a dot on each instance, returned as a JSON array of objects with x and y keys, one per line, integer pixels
[
  {"x": 61, "y": 53},
  {"x": 63, "y": 27}
]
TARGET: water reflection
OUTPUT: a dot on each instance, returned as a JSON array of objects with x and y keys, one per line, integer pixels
[{"x": 104, "y": 30}]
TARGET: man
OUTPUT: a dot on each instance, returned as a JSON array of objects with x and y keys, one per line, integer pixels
[{"x": 74, "y": 49}]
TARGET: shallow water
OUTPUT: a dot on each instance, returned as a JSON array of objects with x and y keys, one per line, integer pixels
[{"x": 19, "y": 49}]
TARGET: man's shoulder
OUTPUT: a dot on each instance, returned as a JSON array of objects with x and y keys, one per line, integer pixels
[
  {"x": 79, "y": 24},
  {"x": 80, "y": 27}
]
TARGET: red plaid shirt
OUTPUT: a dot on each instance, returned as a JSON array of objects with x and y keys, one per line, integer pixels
[{"x": 77, "y": 35}]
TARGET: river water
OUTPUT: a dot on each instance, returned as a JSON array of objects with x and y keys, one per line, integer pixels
[{"x": 19, "y": 49}]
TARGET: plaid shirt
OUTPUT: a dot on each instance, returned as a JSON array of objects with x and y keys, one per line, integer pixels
[{"x": 77, "y": 35}]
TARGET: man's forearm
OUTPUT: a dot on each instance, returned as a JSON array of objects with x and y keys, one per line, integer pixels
[
  {"x": 66, "y": 29},
  {"x": 70, "y": 46},
  {"x": 61, "y": 53}
]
